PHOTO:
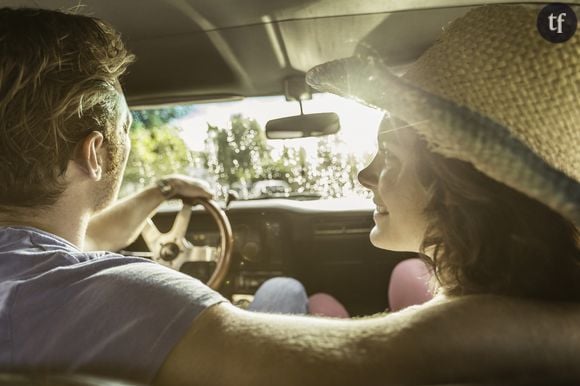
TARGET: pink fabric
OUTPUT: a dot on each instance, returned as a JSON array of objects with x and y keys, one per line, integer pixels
[
  {"x": 325, "y": 305},
  {"x": 409, "y": 284}
]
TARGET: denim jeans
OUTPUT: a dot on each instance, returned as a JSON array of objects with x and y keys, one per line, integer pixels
[{"x": 280, "y": 295}]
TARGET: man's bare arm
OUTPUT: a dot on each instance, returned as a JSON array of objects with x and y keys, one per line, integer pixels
[
  {"x": 468, "y": 339},
  {"x": 119, "y": 225}
]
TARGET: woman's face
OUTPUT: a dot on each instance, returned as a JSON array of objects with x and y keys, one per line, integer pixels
[{"x": 399, "y": 197}]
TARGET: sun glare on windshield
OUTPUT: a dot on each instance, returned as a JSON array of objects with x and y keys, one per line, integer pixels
[{"x": 225, "y": 144}]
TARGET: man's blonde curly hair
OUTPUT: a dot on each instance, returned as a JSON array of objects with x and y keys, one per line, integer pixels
[{"x": 58, "y": 76}]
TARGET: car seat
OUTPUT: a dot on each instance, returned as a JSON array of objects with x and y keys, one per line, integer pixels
[{"x": 409, "y": 285}]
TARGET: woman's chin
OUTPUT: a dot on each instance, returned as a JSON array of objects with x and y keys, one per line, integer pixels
[{"x": 382, "y": 239}]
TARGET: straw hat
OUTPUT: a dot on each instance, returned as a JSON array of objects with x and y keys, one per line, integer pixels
[{"x": 491, "y": 91}]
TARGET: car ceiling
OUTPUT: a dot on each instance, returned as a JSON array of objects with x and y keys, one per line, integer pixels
[{"x": 203, "y": 50}]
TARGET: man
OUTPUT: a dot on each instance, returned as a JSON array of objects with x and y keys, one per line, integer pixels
[{"x": 64, "y": 308}]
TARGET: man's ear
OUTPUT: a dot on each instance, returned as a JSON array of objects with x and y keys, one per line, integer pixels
[{"x": 89, "y": 155}]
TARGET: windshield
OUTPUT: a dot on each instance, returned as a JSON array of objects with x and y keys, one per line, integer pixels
[{"x": 225, "y": 144}]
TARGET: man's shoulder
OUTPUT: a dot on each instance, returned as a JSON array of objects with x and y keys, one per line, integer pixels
[
  {"x": 129, "y": 311},
  {"x": 46, "y": 269},
  {"x": 29, "y": 253}
]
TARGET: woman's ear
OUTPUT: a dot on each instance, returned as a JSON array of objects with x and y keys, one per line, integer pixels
[{"x": 89, "y": 155}]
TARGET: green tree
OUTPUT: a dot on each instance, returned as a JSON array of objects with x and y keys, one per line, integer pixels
[
  {"x": 156, "y": 148},
  {"x": 293, "y": 167},
  {"x": 238, "y": 152},
  {"x": 336, "y": 172}
]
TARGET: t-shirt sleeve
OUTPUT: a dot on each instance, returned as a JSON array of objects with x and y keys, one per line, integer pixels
[{"x": 117, "y": 320}]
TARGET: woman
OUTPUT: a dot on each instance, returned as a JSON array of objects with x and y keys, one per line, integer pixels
[
  {"x": 478, "y": 161},
  {"x": 480, "y": 170},
  {"x": 479, "y": 235}
]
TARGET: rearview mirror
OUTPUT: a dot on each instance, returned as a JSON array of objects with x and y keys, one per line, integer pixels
[{"x": 301, "y": 126}]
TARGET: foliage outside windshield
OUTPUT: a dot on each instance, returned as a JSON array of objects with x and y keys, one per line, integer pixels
[{"x": 225, "y": 144}]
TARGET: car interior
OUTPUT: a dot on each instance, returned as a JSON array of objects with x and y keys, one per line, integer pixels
[{"x": 219, "y": 51}]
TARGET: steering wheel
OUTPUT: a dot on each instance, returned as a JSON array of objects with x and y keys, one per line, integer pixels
[{"x": 172, "y": 249}]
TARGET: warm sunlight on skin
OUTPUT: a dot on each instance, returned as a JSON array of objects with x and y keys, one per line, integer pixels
[
  {"x": 399, "y": 197},
  {"x": 358, "y": 132}
]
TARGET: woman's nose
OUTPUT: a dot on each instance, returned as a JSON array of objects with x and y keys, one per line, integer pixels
[{"x": 368, "y": 176}]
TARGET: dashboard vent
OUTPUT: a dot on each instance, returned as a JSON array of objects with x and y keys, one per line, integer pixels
[{"x": 341, "y": 226}]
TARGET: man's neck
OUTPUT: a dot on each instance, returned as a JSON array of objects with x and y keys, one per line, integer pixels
[{"x": 63, "y": 221}]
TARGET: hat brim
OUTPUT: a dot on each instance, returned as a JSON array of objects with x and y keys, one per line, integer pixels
[{"x": 452, "y": 130}]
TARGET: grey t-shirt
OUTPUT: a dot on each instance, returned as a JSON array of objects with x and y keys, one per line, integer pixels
[{"x": 63, "y": 310}]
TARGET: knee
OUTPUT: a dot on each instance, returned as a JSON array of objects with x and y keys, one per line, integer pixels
[
  {"x": 326, "y": 305},
  {"x": 280, "y": 295},
  {"x": 286, "y": 285}
]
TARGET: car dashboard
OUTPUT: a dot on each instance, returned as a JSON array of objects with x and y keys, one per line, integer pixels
[{"x": 324, "y": 244}]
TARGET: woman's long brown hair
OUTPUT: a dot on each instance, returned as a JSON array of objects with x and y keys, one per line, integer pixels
[{"x": 489, "y": 238}]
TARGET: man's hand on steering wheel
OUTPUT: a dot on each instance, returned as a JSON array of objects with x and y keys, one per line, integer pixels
[
  {"x": 172, "y": 249},
  {"x": 181, "y": 186},
  {"x": 118, "y": 226}
]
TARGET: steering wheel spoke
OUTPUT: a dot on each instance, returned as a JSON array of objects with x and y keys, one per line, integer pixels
[
  {"x": 203, "y": 254},
  {"x": 179, "y": 228},
  {"x": 151, "y": 235},
  {"x": 192, "y": 254}
]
